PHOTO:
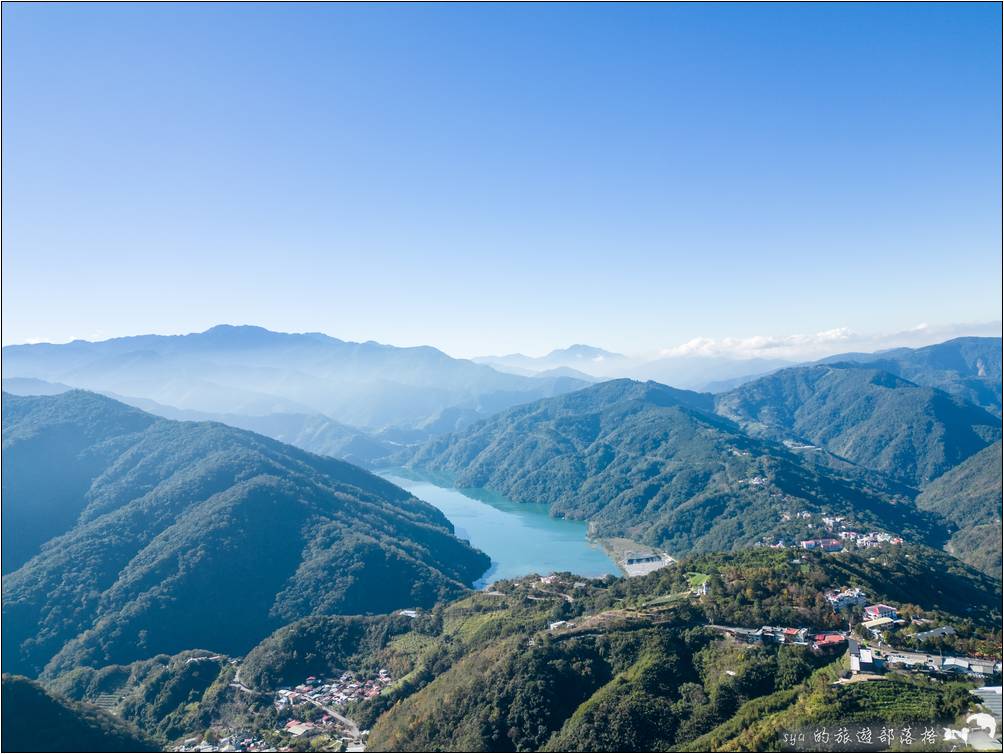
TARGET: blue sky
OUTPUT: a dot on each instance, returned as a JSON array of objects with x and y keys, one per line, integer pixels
[{"x": 490, "y": 179}]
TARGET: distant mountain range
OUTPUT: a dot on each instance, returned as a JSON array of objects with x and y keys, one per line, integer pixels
[
  {"x": 590, "y": 360},
  {"x": 592, "y": 364},
  {"x": 967, "y": 367},
  {"x": 120, "y": 528},
  {"x": 363, "y": 401},
  {"x": 314, "y": 432},
  {"x": 251, "y": 371}
]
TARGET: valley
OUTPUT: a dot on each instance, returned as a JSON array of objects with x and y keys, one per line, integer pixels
[
  {"x": 502, "y": 579},
  {"x": 501, "y": 377}
]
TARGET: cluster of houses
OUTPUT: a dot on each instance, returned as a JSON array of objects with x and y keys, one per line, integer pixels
[
  {"x": 332, "y": 693},
  {"x": 882, "y": 618},
  {"x": 234, "y": 742},
  {"x": 861, "y": 541},
  {"x": 826, "y": 544},
  {"x": 786, "y": 635},
  {"x": 879, "y": 618},
  {"x": 836, "y": 539},
  {"x": 870, "y": 539}
]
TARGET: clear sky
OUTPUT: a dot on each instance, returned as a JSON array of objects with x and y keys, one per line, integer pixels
[{"x": 489, "y": 179}]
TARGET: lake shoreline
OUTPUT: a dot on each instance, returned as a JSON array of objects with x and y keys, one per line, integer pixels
[{"x": 520, "y": 538}]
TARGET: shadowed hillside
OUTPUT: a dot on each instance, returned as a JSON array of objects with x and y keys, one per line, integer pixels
[
  {"x": 35, "y": 720},
  {"x": 165, "y": 520}
]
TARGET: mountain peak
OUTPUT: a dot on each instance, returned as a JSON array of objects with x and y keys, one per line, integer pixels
[
  {"x": 241, "y": 334},
  {"x": 583, "y": 351}
]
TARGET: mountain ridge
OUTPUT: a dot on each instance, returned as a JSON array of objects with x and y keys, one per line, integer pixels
[
  {"x": 164, "y": 512},
  {"x": 251, "y": 370},
  {"x": 654, "y": 463},
  {"x": 869, "y": 416}
]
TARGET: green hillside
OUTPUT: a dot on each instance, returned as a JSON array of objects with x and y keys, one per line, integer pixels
[
  {"x": 969, "y": 496},
  {"x": 168, "y": 520},
  {"x": 655, "y": 464},
  {"x": 639, "y": 670},
  {"x": 968, "y": 368},
  {"x": 873, "y": 418},
  {"x": 168, "y": 697},
  {"x": 636, "y": 666},
  {"x": 35, "y": 720}
]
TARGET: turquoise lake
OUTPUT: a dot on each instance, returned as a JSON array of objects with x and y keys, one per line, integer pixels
[{"x": 519, "y": 538}]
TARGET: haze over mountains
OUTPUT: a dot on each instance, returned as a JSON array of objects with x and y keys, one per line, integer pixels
[
  {"x": 967, "y": 366},
  {"x": 686, "y": 371},
  {"x": 252, "y": 371},
  {"x": 362, "y": 401},
  {"x": 588, "y": 359}
]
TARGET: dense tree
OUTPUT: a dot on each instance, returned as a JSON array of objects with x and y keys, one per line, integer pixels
[
  {"x": 35, "y": 720},
  {"x": 175, "y": 518}
]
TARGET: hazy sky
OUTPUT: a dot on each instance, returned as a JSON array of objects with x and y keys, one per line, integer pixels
[{"x": 490, "y": 179}]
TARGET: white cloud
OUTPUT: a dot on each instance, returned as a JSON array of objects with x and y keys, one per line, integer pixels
[{"x": 826, "y": 342}]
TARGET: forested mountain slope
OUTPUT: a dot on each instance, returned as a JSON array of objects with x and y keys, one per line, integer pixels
[
  {"x": 968, "y": 368},
  {"x": 168, "y": 697},
  {"x": 35, "y": 720},
  {"x": 638, "y": 670},
  {"x": 646, "y": 461},
  {"x": 150, "y": 523},
  {"x": 636, "y": 667},
  {"x": 309, "y": 431},
  {"x": 868, "y": 416},
  {"x": 969, "y": 496}
]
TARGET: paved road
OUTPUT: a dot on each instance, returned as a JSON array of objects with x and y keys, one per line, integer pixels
[
  {"x": 236, "y": 683},
  {"x": 899, "y": 655},
  {"x": 350, "y": 725}
]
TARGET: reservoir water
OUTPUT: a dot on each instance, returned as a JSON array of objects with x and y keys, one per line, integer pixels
[{"x": 519, "y": 538}]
